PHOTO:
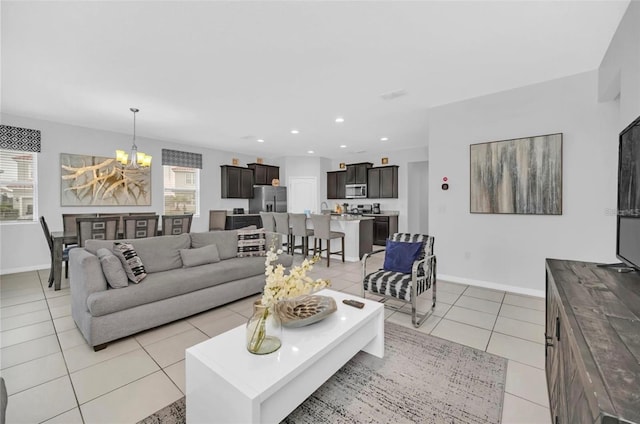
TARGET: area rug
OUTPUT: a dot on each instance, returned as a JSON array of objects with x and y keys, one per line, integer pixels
[{"x": 421, "y": 379}]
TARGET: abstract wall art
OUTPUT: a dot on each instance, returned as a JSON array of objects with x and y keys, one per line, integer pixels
[
  {"x": 102, "y": 181},
  {"x": 519, "y": 176}
]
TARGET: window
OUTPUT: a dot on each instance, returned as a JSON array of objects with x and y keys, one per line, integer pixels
[
  {"x": 181, "y": 190},
  {"x": 17, "y": 185}
]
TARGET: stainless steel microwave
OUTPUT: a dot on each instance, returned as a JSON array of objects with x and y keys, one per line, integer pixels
[{"x": 356, "y": 191}]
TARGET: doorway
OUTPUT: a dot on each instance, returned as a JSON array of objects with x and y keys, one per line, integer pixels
[
  {"x": 418, "y": 193},
  {"x": 303, "y": 194}
]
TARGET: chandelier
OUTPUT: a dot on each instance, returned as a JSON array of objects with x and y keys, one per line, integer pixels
[{"x": 134, "y": 159}]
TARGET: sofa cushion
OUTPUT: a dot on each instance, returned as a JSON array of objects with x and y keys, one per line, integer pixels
[
  {"x": 227, "y": 242},
  {"x": 251, "y": 243},
  {"x": 131, "y": 262},
  {"x": 166, "y": 284},
  {"x": 200, "y": 256},
  {"x": 157, "y": 253},
  {"x": 112, "y": 269}
]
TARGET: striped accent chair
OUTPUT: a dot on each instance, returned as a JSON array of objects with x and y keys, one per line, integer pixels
[{"x": 404, "y": 287}]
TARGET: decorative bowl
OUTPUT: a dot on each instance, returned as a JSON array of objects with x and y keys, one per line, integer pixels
[{"x": 305, "y": 310}]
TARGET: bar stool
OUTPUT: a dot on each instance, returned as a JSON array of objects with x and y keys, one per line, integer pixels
[
  {"x": 298, "y": 223},
  {"x": 322, "y": 231},
  {"x": 282, "y": 227},
  {"x": 267, "y": 221}
]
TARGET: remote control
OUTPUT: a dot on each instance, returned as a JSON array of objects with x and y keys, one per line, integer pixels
[{"x": 353, "y": 303}]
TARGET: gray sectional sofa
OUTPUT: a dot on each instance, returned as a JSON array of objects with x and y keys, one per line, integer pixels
[{"x": 169, "y": 292}]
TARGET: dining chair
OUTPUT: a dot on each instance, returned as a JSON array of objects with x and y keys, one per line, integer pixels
[
  {"x": 322, "y": 231},
  {"x": 100, "y": 228},
  {"x": 217, "y": 220},
  {"x": 409, "y": 270},
  {"x": 140, "y": 226},
  {"x": 176, "y": 224},
  {"x": 120, "y": 216},
  {"x": 69, "y": 223},
  {"x": 298, "y": 222},
  {"x": 65, "y": 251},
  {"x": 281, "y": 220}
]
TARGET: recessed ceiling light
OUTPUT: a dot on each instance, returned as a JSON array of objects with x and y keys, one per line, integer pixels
[
  {"x": 260, "y": 140},
  {"x": 384, "y": 138},
  {"x": 339, "y": 119},
  {"x": 294, "y": 131},
  {"x": 343, "y": 146},
  {"x": 310, "y": 152}
]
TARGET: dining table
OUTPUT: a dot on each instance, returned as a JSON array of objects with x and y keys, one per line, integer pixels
[{"x": 60, "y": 238}]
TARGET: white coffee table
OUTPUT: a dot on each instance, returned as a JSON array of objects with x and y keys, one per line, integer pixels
[{"x": 227, "y": 384}]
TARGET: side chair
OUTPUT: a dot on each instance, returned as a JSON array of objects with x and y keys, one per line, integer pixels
[
  {"x": 406, "y": 285},
  {"x": 65, "y": 252},
  {"x": 176, "y": 224},
  {"x": 140, "y": 226},
  {"x": 101, "y": 228}
]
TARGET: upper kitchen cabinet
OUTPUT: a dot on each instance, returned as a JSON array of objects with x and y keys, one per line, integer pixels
[
  {"x": 336, "y": 181},
  {"x": 357, "y": 173},
  {"x": 264, "y": 174},
  {"x": 383, "y": 182},
  {"x": 237, "y": 182}
]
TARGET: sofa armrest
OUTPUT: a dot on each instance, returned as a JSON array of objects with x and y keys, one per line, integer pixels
[{"x": 85, "y": 276}]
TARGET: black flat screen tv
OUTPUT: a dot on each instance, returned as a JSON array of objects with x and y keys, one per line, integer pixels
[{"x": 628, "y": 217}]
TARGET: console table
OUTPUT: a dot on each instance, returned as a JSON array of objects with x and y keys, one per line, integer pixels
[
  {"x": 227, "y": 384},
  {"x": 593, "y": 343}
]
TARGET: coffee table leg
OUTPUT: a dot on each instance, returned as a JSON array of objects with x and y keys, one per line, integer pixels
[{"x": 376, "y": 346}]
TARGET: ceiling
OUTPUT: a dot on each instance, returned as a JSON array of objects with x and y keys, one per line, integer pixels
[{"x": 224, "y": 74}]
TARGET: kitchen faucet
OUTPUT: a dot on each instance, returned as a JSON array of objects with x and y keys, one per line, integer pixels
[{"x": 323, "y": 206}]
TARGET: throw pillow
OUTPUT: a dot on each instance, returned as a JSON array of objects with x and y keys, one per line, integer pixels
[
  {"x": 399, "y": 256},
  {"x": 252, "y": 243},
  {"x": 131, "y": 262},
  {"x": 112, "y": 269},
  {"x": 200, "y": 256}
]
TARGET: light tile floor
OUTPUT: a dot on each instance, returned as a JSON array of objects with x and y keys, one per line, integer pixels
[{"x": 53, "y": 376}]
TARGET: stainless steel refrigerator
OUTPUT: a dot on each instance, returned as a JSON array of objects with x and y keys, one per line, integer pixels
[{"x": 268, "y": 199}]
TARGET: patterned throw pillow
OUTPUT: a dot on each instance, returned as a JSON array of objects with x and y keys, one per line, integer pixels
[
  {"x": 252, "y": 243},
  {"x": 131, "y": 262}
]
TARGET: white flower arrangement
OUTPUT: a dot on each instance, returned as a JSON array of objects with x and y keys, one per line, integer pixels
[{"x": 279, "y": 286}]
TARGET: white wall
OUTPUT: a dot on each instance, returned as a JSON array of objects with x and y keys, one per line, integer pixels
[
  {"x": 23, "y": 246},
  {"x": 508, "y": 251}
]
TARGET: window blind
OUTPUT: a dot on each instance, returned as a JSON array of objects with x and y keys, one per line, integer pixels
[
  {"x": 21, "y": 139},
  {"x": 180, "y": 158}
]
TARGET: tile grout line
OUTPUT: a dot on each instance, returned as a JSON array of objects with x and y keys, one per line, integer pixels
[{"x": 494, "y": 324}]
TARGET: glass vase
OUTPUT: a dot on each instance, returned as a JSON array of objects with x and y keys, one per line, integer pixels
[{"x": 264, "y": 330}]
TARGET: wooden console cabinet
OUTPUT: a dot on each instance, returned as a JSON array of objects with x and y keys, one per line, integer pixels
[{"x": 593, "y": 343}]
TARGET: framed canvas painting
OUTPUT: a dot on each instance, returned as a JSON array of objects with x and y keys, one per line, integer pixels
[
  {"x": 519, "y": 176},
  {"x": 102, "y": 181}
]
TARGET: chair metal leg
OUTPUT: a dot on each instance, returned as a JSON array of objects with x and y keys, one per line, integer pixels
[
  {"x": 66, "y": 269},
  {"x": 342, "y": 249},
  {"x": 328, "y": 252}
]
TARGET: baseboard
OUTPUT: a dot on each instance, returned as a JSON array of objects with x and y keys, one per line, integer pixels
[
  {"x": 24, "y": 269},
  {"x": 492, "y": 285}
]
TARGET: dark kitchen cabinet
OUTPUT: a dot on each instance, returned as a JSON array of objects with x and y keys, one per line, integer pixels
[
  {"x": 592, "y": 350},
  {"x": 236, "y": 182},
  {"x": 336, "y": 181},
  {"x": 383, "y": 227},
  {"x": 357, "y": 172},
  {"x": 383, "y": 182},
  {"x": 264, "y": 174}
]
